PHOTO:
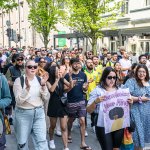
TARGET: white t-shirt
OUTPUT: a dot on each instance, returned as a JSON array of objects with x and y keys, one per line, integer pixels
[
  {"x": 125, "y": 63},
  {"x": 98, "y": 91}
]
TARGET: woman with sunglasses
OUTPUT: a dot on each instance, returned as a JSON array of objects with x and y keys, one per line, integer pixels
[
  {"x": 139, "y": 87},
  {"x": 42, "y": 63},
  {"x": 30, "y": 95},
  {"x": 113, "y": 140}
]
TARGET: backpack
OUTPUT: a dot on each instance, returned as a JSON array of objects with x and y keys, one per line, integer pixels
[{"x": 22, "y": 80}]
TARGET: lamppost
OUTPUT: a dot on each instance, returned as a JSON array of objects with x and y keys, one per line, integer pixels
[
  {"x": 1, "y": 14},
  {"x": 19, "y": 25}
]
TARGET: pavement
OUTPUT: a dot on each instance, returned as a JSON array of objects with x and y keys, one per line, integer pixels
[{"x": 91, "y": 140}]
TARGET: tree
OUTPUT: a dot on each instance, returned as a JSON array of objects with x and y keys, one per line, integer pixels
[
  {"x": 7, "y": 5},
  {"x": 44, "y": 15},
  {"x": 91, "y": 16}
]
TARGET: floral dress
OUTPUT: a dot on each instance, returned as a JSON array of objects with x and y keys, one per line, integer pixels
[{"x": 140, "y": 113}]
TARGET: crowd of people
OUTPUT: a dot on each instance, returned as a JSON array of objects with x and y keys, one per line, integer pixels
[{"x": 46, "y": 90}]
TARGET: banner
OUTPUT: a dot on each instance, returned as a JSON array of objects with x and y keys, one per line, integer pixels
[
  {"x": 61, "y": 41},
  {"x": 116, "y": 110}
]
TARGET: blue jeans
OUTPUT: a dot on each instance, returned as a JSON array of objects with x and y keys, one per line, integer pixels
[{"x": 30, "y": 121}]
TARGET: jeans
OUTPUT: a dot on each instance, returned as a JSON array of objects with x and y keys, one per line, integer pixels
[{"x": 30, "y": 121}]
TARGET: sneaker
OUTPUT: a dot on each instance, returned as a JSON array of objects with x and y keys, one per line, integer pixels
[
  {"x": 52, "y": 144},
  {"x": 86, "y": 134},
  {"x": 66, "y": 148},
  {"x": 58, "y": 133}
]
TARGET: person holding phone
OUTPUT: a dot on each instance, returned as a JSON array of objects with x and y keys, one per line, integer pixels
[{"x": 29, "y": 112}]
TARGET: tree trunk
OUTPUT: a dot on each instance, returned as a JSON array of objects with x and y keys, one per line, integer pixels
[
  {"x": 46, "y": 41},
  {"x": 94, "y": 45}
]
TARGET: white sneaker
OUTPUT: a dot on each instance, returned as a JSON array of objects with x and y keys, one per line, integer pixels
[
  {"x": 66, "y": 148},
  {"x": 86, "y": 134},
  {"x": 58, "y": 133},
  {"x": 52, "y": 144}
]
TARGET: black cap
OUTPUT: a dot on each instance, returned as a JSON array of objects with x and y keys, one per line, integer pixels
[{"x": 16, "y": 56}]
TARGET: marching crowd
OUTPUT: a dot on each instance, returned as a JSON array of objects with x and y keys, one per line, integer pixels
[{"x": 46, "y": 90}]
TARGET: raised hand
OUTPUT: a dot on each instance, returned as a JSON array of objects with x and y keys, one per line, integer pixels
[{"x": 44, "y": 78}]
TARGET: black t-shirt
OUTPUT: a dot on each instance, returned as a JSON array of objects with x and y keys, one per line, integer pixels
[{"x": 76, "y": 93}]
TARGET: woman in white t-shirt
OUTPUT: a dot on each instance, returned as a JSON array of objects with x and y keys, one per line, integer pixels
[
  {"x": 30, "y": 94},
  {"x": 113, "y": 140}
]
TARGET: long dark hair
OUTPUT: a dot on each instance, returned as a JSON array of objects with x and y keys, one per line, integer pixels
[
  {"x": 52, "y": 74},
  {"x": 139, "y": 82},
  {"x": 105, "y": 73}
]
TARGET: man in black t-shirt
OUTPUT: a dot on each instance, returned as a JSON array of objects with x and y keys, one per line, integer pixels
[{"x": 76, "y": 103}]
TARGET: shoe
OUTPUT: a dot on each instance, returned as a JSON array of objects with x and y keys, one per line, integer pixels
[
  {"x": 93, "y": 129},
  {"x": 58, "y": 133},
  {"x": 52, "y": 144},
  {"x": 86, "y": 134},
  {"x": 66, "y": 148}
]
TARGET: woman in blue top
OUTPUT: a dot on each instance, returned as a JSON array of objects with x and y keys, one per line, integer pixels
[{"x": 140, "y": 90}]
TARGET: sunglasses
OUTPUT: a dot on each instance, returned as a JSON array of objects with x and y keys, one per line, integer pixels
[
  {"x": 32, "y": 67},
  {"x": 19, "y": 59},
  {"x": 44, "y": 50},
  {"x": 42, "y": 61},
  {"x": 111, "y": 77}
]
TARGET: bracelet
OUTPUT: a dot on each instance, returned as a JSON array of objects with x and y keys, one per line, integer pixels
[{"x": 140, "y": 99}]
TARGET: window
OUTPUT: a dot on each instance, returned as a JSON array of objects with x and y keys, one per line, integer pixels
[
  {"x": 125, "y": 7},
  {"x": 147, "y": 2}
]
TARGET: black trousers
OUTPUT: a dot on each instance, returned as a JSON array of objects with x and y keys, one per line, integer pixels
[{"x": 110, "y": 140}]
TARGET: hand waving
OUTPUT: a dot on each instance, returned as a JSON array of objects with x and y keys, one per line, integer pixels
[{"x": 44, "y": 79}]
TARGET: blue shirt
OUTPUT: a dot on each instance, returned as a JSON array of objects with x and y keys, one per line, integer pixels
[{"x": 76, "y": 93}]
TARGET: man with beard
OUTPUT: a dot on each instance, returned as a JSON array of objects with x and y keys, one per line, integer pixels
[
  {"x": 143, "y": 60},
  {"x": 98, "y": 67},
  {"x": 76, "y": 104},
  {"x": 12, "y": 73},
  {"x": 93, "y": 80}
]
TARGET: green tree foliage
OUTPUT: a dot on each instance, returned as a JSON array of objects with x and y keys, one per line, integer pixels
[
  {"x": 91, "y": 16},
  {"x": 44, "y": 15},
  {"x": 7, "y": 5}
]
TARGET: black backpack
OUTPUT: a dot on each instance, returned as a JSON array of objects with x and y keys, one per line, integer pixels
[{"x": 22, "y": 80}]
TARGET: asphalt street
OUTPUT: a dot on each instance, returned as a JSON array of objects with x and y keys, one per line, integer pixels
[{"x": 91, "y": 140}]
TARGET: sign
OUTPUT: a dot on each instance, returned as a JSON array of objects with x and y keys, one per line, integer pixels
[
  {"x": 61, "y": 41},
  {"x": 116, "y": 110}
]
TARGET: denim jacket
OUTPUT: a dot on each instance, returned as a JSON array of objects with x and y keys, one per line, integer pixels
[{"x": 5, "y": 97}]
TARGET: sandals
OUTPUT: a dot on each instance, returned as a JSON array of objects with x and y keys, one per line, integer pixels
[
  {"x": 86, "y": 148},
  {"x": 69, "y": 140}
]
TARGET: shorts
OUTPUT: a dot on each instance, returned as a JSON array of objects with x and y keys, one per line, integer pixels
[{"x": 76, "y": 110}]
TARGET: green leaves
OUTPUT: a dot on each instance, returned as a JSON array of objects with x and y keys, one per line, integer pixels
[
  {"x": 44, "y": 15},
  {"x": 90, "y": 16},
  {"x": 7, "y": 5}
]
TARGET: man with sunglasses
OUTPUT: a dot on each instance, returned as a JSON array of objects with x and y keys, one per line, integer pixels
[
  {"x": 44, "y": 53},
  {"x": 12, "y": 73}
]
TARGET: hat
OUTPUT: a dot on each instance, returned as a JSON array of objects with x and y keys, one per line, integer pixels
[
  {"x": 73, "y": 60},
  {"x": 16, "y": 56}
]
